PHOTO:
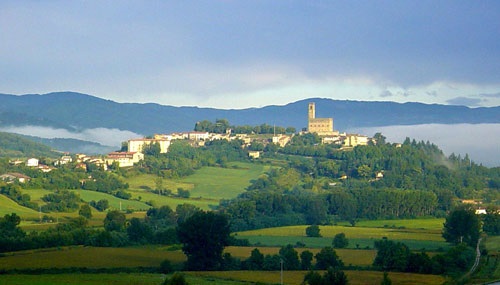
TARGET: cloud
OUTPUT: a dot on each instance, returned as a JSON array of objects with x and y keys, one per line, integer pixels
[
  {"x": 464, "y": 101},
  {"x": 492, "y": 95},
  {"x": 386, "y": 93},
  {"x": 104, "y": 136}
]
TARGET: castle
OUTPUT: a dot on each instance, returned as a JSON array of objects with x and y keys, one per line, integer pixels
[{"x": 321, "y": 126}]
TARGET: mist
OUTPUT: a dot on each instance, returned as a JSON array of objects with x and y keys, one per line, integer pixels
[
  {"x": 104, "y": 136},
  {"x": 479, "y": 141}
]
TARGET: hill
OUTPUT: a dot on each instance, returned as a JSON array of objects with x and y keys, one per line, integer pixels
[
  {"x": 76, "y": 112},
  {"x": 13, "y": 145}
]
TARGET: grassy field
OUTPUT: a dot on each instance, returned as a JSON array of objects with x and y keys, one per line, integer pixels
[
  {"x": 224, "y": 183},
  {"x": 351, "y": 232},
  {"x": 114, "y": 202},
  {"x": 7, "y": 206},
  {"x": 417, "y": 234}
]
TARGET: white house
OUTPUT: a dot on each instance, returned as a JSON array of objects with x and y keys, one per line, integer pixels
[{"x": 32, "y": 162}]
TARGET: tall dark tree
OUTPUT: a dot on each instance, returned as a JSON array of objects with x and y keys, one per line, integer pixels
[
  {"x": 462, "y": 225},
  {"x": 306, "y": 260},
  {"x": 204, "y": 236},
  {"x": 290, "y": 258}
]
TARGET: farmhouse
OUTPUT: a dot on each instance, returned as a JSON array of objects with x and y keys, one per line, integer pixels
[
  {"x": 14, "y": 176},
  {"x": 124, "y": 159}
]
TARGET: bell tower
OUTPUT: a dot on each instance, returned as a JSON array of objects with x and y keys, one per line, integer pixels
[{"x": 312, "y": 111}]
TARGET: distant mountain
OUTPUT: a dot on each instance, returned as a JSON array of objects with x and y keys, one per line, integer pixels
[{"x": 76, "y": 112}]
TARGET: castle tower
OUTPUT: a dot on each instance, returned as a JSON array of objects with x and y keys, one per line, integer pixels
[
  {"x": 321, "y": 126},
  {"x": 312, "y": 111}
]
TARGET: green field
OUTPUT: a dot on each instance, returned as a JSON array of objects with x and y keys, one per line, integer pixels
[
  {"x": 114, "y": 202},
  {"x": 7, "y": 206},
  {"x": 207, "y": 185},
  {"x": 224, "y": 183},
  {"x": 417, "y": 234}
]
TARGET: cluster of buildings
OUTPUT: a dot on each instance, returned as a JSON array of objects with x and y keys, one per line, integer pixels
[{"x": 325, "y": 129}]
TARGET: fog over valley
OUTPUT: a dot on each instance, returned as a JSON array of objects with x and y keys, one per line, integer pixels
[{"x": 480, "y": 141}]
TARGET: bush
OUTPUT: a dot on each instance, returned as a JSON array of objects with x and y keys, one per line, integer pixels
[
  {"x": 176, "y": 279},
  {"x": 313, "y": 231},
  {"x": 340, "y": 241},
  {"x": 166, "y": 266}
]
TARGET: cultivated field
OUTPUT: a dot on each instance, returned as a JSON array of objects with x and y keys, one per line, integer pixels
[{"x": 417, "y": 234}]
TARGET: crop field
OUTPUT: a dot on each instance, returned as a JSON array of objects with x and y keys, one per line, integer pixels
[
  {"x": 348, "y": 256},
  {"x": 109, "y": 279},
  {"x": 90, "y": 257},
  {"x": 417, "y": 234},
  {"x": 431, "y": 224},
  {"x": 296, "y": 277},
  {"x": 351, "y": 232}
]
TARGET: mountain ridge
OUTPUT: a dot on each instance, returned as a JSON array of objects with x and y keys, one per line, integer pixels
[{"x": 77, "y": 111}]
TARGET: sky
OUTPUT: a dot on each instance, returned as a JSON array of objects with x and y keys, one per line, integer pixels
[{"x": 240, "y": 54}]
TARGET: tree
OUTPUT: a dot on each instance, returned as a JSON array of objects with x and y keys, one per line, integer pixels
[
  {"x": 306, "y": 260},
  {"x": 114, "y": 221},
  {"x": 340, "y": 241},
  {"x": 462, "y": 225},
  {"x": 334, "y": 276},
  {"x": 327, "y": 257},
  {"x": 85, "y": 211},
  {"x": 255, "y": 261},
  {"x": 313, "y": 231},
  {"x": 491, "y": 221},
  {"x": 139, "y": 231},
  {"x": 204, "y": 236},
  {"x": 391, "y": 255},
  {"x": 184, "y": 211},
  {"x": 290, "y": 257}
]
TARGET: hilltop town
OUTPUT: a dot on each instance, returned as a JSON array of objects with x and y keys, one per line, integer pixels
[{"x": 323, "y": 127}]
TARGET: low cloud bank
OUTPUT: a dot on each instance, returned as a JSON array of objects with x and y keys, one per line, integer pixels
[
  {"x": 480, "y": 141},
  {"x": 104, "y": 136}
]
